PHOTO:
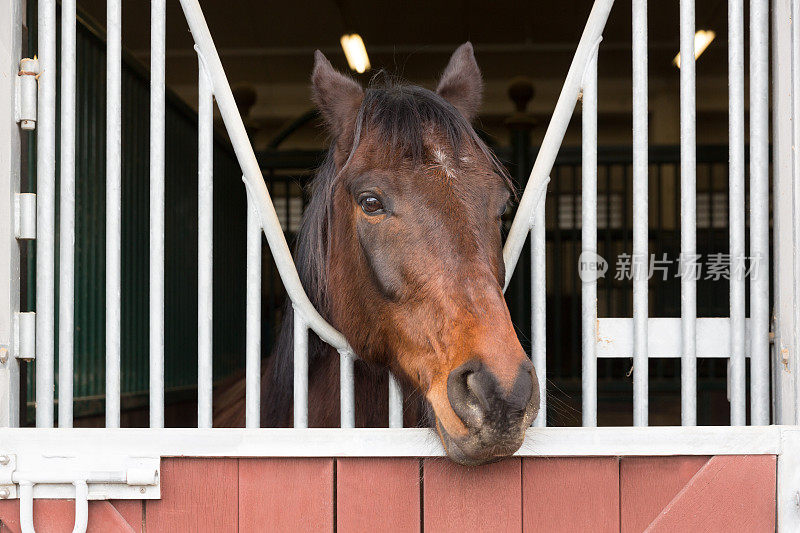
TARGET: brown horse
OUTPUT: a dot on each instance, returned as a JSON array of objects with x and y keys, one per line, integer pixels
[{"x": 400, "y": 249}]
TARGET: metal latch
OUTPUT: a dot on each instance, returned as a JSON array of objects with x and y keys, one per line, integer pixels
[
  {"x": 27, "y": 92},
  {"x": 32, "y": 475}
]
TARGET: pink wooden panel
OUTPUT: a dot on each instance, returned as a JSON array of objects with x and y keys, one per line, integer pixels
[
  {"x": 132, "y": 511},
  {"x": 730, "y": 493},
  {"x": 196, "y": 495},
  {"x": 647, "y": 484},
  {"x": 376, "y": 494},
  {"x": 570, "y": 494},
  {"x": 482, "y": 498},
  {"x": 293, "y": 494},
  {"x": 55, "y": 516}
]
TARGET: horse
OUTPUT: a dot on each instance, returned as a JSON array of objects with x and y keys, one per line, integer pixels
[{"x": 400, "y": 249}]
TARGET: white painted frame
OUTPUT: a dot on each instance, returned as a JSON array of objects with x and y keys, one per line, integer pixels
[{"x": 391, "y": 442}]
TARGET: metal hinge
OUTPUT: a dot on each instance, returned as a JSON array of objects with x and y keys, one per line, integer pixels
[
  {"x": 25, "y": 215},
  {"x": 91, "y": 477},
  {"x": 27, "y": 91},
  {"x": 25, "y": 335}
]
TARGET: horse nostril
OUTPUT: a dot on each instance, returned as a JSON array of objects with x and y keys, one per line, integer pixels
[
  {"x": 468, "y": 388},
  {"x": 476, "y": 397},
  {"x": 478, "y": 385}
]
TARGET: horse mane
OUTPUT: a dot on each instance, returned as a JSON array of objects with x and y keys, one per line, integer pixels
[{"x": 401, "y": 116}]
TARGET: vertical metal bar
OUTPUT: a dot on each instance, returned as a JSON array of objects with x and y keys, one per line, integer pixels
[
  {"x": 736, "y": 209},
  {"x": 759, "y": 212},
  {"x": 688, "y": 218},
  {"x": 45, "y": 214},
  {"x": 66, "y": 284},
  {"x": 588, "y": 261},
  {"x": 790, "y": 344},
  {"x": 157, "y": 143},
  {"x": 11, "y": 137},
  {"x": 347, "y": 396},
  {"x": 785, "y": 370},
  {"x": 205, "y": 236},
  {"x": 640, "y": 211},
  {"x": 539, "y": 309},
  {"x": 113, "y": 210},
  {"x": 395, "y": 402},
  {"x": 300, "y": 371},
  {"x": 253, "y": 318}
]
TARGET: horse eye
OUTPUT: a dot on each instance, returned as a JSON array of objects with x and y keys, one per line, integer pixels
[{"x": 371, "y": 205}]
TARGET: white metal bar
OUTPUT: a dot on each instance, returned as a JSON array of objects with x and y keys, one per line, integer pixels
[
  {"x": 113, "y": 210},
  {"x": 785, "y": 370},
  {"x": 688, "y": 217},
  {"x": 205, "y": 238},
  {"x": 539, "y": 309},
  {"x": 347, "y": 392},
  {"x": 615, "y": 338},
  {"x": 736, "y": 210},
  {"x": 253, "y": 320},
  {"x": 253, "y": 178},
  {"x": 81, "y": 506},
  {"x": 66, "y": 239},
  {"x": 300, "y": 371},
  {"x": 589, "y": 245},
  {"x": 45, "y": 214},
  {"x": 759, "y": 212},
  {"x": 10, "y": 169},
  {"x": 548, "y": 150},
  {"x": 26, "y": 507},
  {"x": 793, "y": 357},
  {"x": 157, "y": 143},
  {"x": 395, "y": 402},
  {"x": 640, "y": 213},
  {"x": 386, "y": 442},
  {"x": 790, "y": 347}
]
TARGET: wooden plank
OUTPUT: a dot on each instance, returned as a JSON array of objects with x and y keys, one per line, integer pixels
[
  {"x": 377, "y": 494},
  {"x": 483, "y": 498},
  {"x": 729, "y": 493},
  {"x": 570, "y": 494},
  {"x": 197, "y": 494},
  {"x": 58, "y": 516},
  {"x": 288, "y": 494},
  {"x": 132, "y": 511},
  {"x": 648, "y": 484}
]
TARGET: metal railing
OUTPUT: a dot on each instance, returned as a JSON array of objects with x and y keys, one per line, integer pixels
[{"x": 581, "y": 81}]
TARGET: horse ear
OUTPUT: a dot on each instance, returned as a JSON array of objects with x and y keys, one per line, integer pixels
[
  {"x": 337, "y": 96},
  {"x": 461, "y": 83}
]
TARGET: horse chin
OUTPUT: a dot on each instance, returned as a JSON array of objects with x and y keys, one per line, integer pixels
[{"x": 472, "y": 450}]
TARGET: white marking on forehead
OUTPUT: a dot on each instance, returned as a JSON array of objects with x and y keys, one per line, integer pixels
[{"x": 443, "y": 161}]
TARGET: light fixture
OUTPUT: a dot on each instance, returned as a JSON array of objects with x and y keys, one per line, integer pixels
[
  {"x": 702, "y": 38},
  {"x": 355, "y": 52}
]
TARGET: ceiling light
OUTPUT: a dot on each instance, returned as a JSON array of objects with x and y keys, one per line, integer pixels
[
  {"x": 355, "y": 52},
  {"x": 702, "y": 39}
]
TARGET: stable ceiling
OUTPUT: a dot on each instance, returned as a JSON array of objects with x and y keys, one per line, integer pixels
[{"x": 273, "y": 42}]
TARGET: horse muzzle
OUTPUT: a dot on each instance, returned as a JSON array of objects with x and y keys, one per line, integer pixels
[{"x": 495, "y": 417}]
